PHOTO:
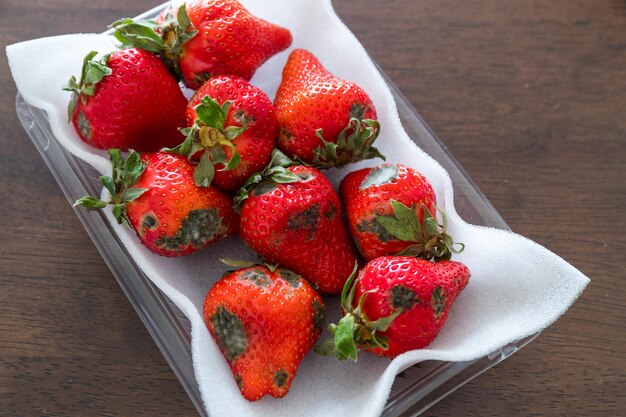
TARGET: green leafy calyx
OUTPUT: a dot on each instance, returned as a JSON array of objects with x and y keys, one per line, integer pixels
[
  {"x": 237, "y": 264},
  {"x": 93, "y": 71},
  {"x": 124, "y": 175},
  {"x": 210, "y": 135},
  {"x": 355, "y": 331},
  {"x": 354, "y": 142},
  {"x": 166, "y": 39},
  {"x": 429, "y": 239},
  {"x": 275, "y": 172}
]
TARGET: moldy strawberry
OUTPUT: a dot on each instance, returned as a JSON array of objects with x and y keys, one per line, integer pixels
[
  {"x": 155, "y": 194},
  {"x": 396, "y": 304},
  {"x": 324, "y": 120},
  {"x": 291, "y": 216},
  {"x": 392, "y": 210},
  {"x": 264, "y": 321}
]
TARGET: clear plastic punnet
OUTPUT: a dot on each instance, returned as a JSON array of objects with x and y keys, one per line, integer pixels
[{"x": 415, "y": 389}]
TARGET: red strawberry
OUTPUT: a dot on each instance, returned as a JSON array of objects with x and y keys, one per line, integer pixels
[
  {"x": 126, "y": 100},
  {"x": 234, "y": 127},
  {"x": 291, "y": 216},
  {"x": 397, "y": 304},
  {"x": 156, "y": 195},
  {"x": 264, "y": 322},
  {"x": 324, "y": 120},
  {"x": 391, "y": 210},
  {"x": 203, "y": 38}
]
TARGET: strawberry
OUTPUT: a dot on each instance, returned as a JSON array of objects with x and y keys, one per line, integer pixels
[
  {"x": 234, "y": 124},
  {"x": 291, "y": 216},
  {"x": 324, "y": 120},
  {"x": 155, "y": 194},
  {"x": 203, "y": 38},
  {"x": 391, "y": 210},
  {"x": 396, "y": 304},
  {"x": 264, "y": 321},
  {"x": 127, "y": 99}
]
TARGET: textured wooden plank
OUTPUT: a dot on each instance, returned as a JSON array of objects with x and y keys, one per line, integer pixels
[
  {"x": 70, "y": 342},
  {"x": 529, "y": 96}
]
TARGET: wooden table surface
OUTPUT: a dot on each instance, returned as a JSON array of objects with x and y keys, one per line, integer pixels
[{"x": 529, "y": 96}]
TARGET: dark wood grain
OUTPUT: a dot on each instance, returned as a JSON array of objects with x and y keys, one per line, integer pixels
[{"x": 529, "y": 96}]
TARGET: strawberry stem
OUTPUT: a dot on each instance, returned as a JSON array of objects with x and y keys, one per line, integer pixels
[
  {"x": 354, "y": 142},
  {"x": 166, "y": 39},
  {"x": 92, "y": 72},
  {"x": 125, "y": 173},
  {"x": 138, "y": 34},
  {"x": 355, "y": 331},
  {"x": 275, "y": 172},
  {"x": 235, "y": 263},
  {"x": 430, "y": 240},
  {"x": 210, "y": 135}
]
